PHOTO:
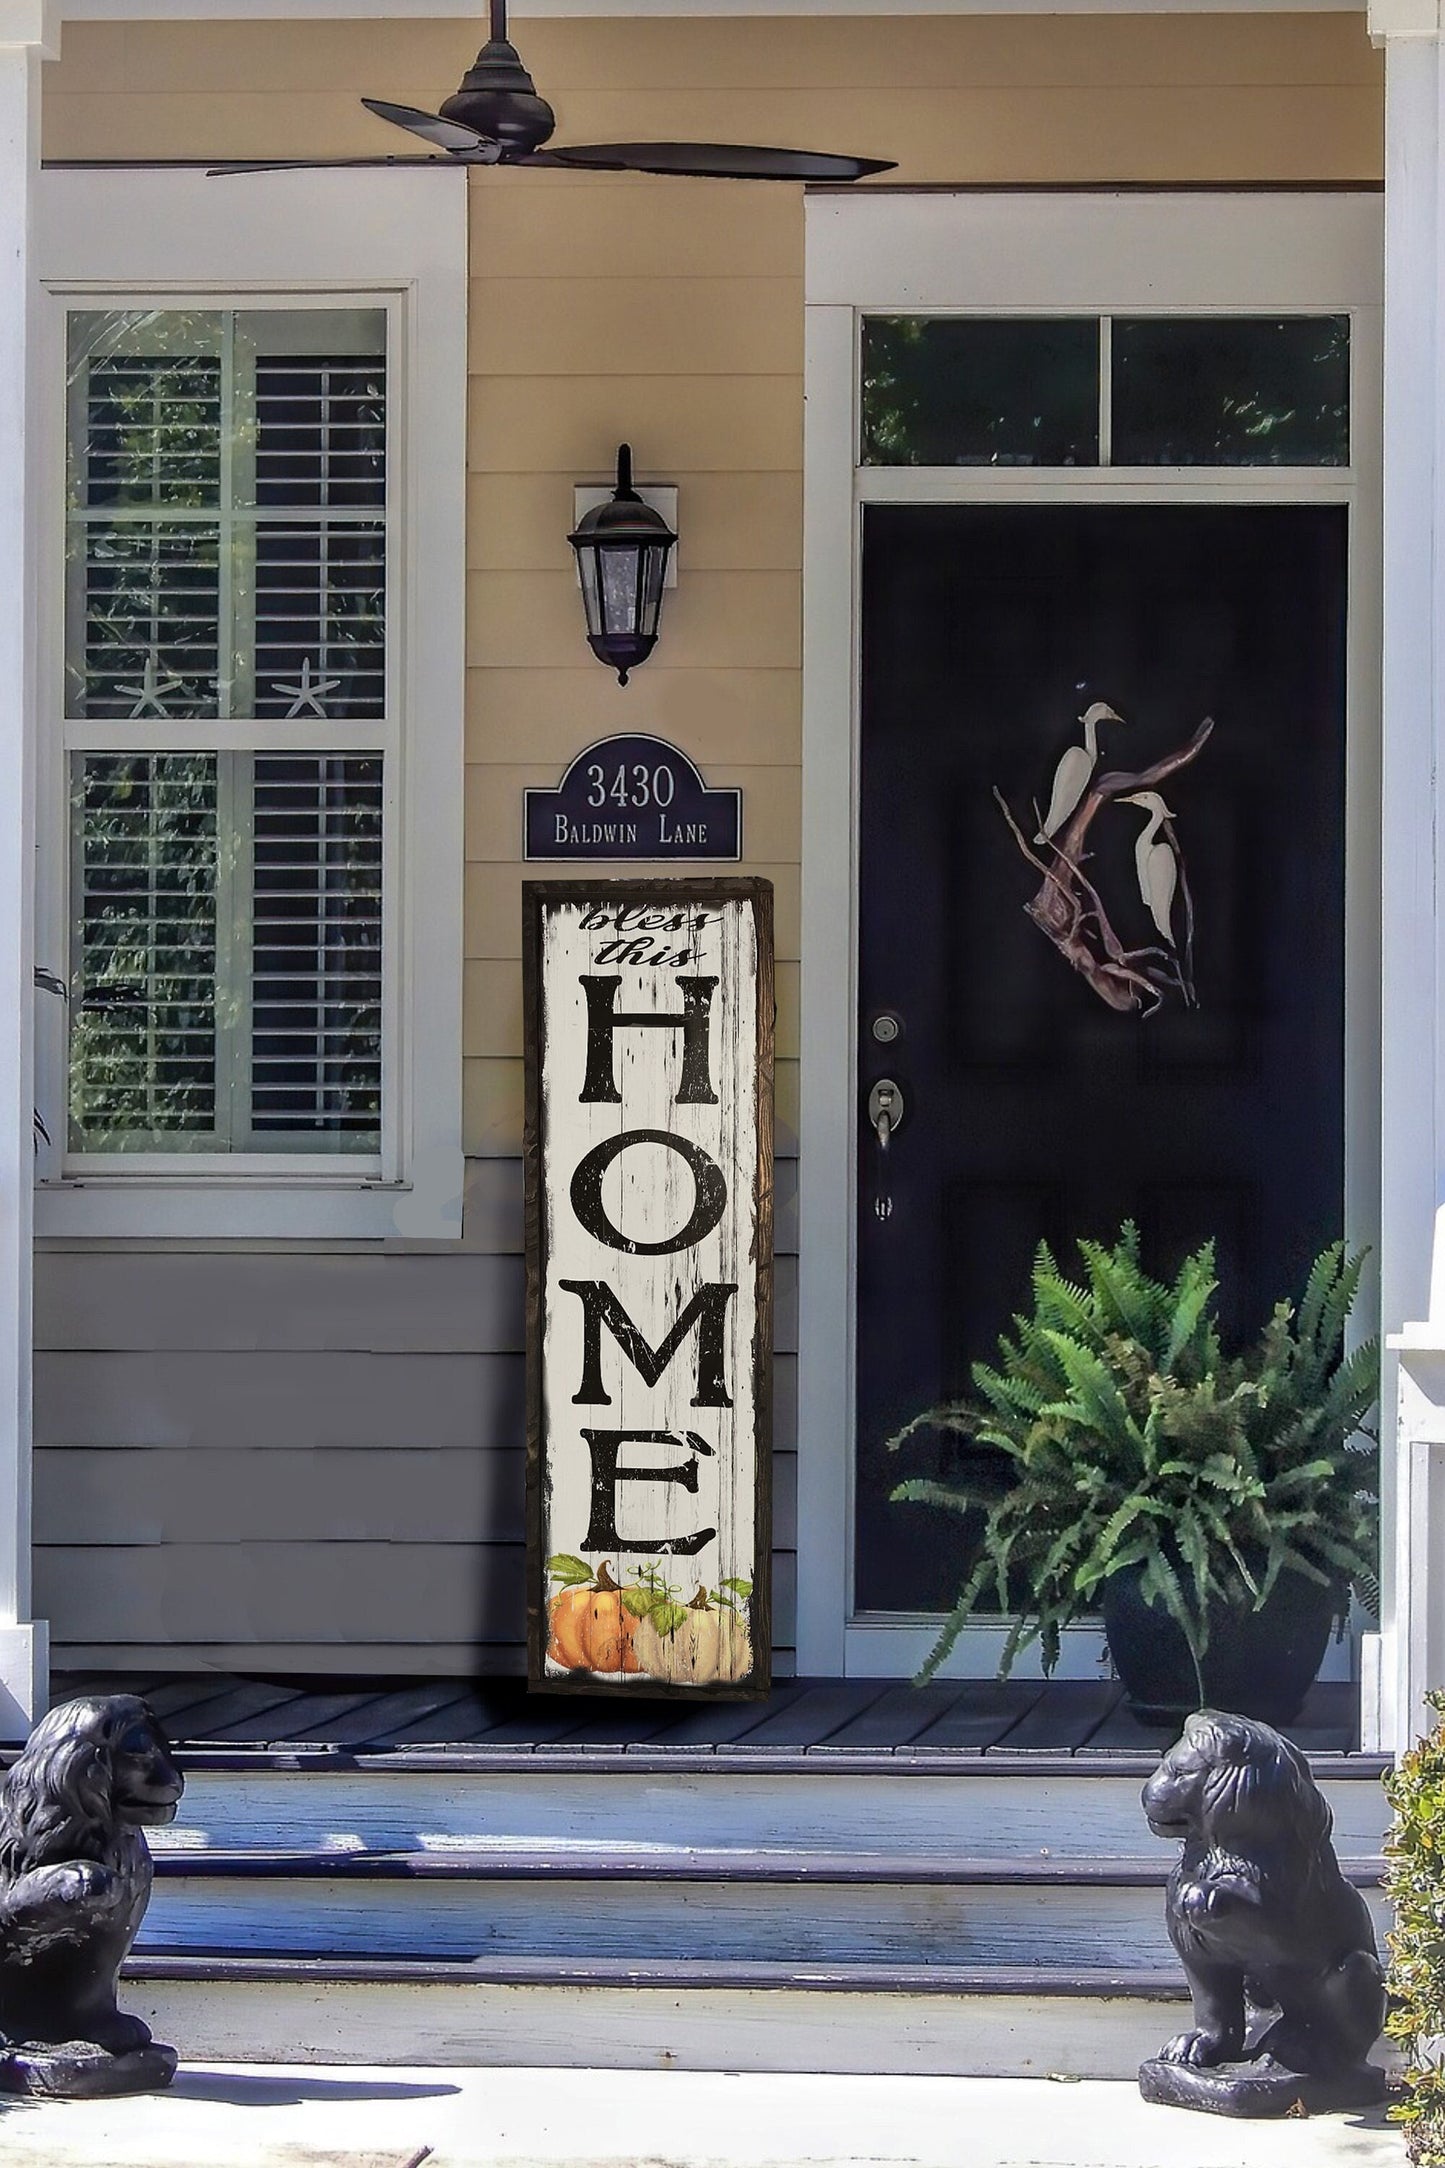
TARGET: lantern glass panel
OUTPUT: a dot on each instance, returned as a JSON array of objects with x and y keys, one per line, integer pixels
[
  {"x": 619, "y": 587},
  {"x": 654, "y": 572},
  {"x": 591, "y": 596}
]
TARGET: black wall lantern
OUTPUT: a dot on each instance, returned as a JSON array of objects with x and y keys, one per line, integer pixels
[{"x": 622, "y": 551}]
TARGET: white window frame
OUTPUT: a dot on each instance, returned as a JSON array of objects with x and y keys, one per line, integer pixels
[
  {"x": 142, "y": 238},
  {"x": 1097, "y": 253}
]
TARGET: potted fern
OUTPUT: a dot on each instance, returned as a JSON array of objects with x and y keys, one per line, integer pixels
[{"x": 1216, "y": 1508}]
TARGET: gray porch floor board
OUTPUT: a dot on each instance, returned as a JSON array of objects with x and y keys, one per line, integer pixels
[{"x": 812, "y": 1717}]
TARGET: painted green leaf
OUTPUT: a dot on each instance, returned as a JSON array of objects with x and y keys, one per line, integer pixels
[{"x": 571, "y": 1572}]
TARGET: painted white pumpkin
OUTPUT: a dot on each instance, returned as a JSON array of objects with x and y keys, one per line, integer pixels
[{"x": 708, "y": 1648}]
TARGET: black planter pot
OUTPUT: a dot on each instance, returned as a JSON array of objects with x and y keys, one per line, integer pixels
[{"x": 1258, "y": 1663}]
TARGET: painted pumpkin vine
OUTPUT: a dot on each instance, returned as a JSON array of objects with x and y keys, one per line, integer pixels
[
  {"x": 647, "y": 1628},
  {"x": 649, "y": 1168}
]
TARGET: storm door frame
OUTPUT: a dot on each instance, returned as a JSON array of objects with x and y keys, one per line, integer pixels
[{"x": 1035, "y": 253}]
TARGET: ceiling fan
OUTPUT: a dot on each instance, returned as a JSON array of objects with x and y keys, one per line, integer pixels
[{"x": 497, "y": 119}]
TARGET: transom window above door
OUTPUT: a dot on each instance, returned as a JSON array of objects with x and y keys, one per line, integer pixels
[
  {"x": 1110, "y": 391},
  {"x": 227, "y": 718}
]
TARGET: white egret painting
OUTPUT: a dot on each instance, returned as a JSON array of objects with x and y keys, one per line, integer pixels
[{"x": 1068, "y": 908}]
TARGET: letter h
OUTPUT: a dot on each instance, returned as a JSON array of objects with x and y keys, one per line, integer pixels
[{"x": 604, "y": 1017}]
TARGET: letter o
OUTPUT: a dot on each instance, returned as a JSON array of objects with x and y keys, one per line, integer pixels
[{"x": 709, "y": 1203}]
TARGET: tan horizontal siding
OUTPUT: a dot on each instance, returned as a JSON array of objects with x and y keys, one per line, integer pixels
[
  {"x": 748, "y": 716},
  {"x": 610, "y": 327},
  {"x": 220, "y": 58},
  {"x": 696, "y": 424},
  {"x": 953, "y": 98}
]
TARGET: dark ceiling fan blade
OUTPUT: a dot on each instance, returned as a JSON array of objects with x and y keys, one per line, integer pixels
[
  {"x": 453, "y": 136},
  {"x": 313, "y": 165},
  {"x": 721, "y": 161}
]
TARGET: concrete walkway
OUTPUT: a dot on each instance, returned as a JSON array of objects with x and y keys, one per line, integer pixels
[{"x": 305, "y": 2116}]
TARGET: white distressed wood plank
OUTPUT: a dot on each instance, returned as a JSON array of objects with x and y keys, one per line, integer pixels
[
  {"x": 494, "y": 1220},
  {"x": 648, "y": 1028}
]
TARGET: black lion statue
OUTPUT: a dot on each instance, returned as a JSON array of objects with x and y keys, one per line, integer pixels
[
  {"x": 75, "y": 1879},
  {"x": 1278, "y": 1947}
]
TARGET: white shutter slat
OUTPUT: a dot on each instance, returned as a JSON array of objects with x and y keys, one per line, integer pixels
[
  {"x": 321, "y": 581},
  {"x": 317, "y": 947},
  {"x": 152, "y": 619},
  {"x": 153, "y": 430}
]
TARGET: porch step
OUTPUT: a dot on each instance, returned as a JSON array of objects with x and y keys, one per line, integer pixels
[
  {"x": 622, "y": 2014},
  {"x": 985, "y": 1914},
  {"x": 660, "y": 1903},
  {"x": 1064, "y": 1806},
  {"x": 396, "y": 1908}
]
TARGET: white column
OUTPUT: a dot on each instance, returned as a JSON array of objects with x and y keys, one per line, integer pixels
[
  {"x": 1413, "y": 895},
  {"x": 24, "y": 25}
]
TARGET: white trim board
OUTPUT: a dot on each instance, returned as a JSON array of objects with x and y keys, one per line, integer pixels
[
  {"x": 1006, "y": 253},
  {"x": 165, "y": 237}
]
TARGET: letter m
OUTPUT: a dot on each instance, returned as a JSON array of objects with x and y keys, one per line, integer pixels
[{"x": 707, "y": 1312}]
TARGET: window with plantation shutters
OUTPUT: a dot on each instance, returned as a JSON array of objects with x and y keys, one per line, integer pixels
[{"x": 228, "y": 726}]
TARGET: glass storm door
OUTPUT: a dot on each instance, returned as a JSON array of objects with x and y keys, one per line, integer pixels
[{"x": 1139, "y": 1015}]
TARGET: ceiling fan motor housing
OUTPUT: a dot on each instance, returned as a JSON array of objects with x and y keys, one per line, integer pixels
[{"x": 499, "y": 99}]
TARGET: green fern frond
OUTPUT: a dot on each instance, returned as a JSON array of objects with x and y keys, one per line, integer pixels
[{"x": 1132, "y": 1440}]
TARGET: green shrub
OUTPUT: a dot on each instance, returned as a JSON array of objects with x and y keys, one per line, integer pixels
[
  {"x": 1415, "y": 1880},
  {"x": 1123, "y": 1434}
]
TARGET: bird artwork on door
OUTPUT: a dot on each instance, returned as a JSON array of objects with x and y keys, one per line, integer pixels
[
  {"x": 1071, "y": 777},
  {"x": 1068, "y": 908},
  {"x": 1157, "y": 864}
]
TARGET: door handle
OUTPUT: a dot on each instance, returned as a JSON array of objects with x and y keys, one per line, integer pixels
[
  {"x": 885, "y": 1113},
  {"x": 885, "y": 1110}
]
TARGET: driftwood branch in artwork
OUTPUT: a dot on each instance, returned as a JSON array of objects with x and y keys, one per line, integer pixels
[{"x": 1068, "y": 910}]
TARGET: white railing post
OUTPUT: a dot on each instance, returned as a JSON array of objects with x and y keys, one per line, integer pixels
[
  {"x": 25, "y": 27},
  {"x": 1412, "y": 1649}
]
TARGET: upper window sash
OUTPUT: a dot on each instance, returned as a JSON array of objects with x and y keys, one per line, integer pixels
[
  {"x": 1145, "y": 391},
  {"x": 227, "y": 513}
]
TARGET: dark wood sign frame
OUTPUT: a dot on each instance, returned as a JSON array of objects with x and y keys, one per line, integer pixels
[{"x": 536, "y": 897}]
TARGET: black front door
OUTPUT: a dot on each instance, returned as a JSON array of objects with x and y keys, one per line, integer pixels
[{"x": 1135, "y": 1012}]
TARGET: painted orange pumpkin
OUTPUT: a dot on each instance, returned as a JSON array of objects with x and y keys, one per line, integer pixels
[{"x": 591, "y": 1628}]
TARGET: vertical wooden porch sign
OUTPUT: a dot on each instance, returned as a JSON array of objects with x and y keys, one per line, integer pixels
[{"x": 649, "y": 1154}]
